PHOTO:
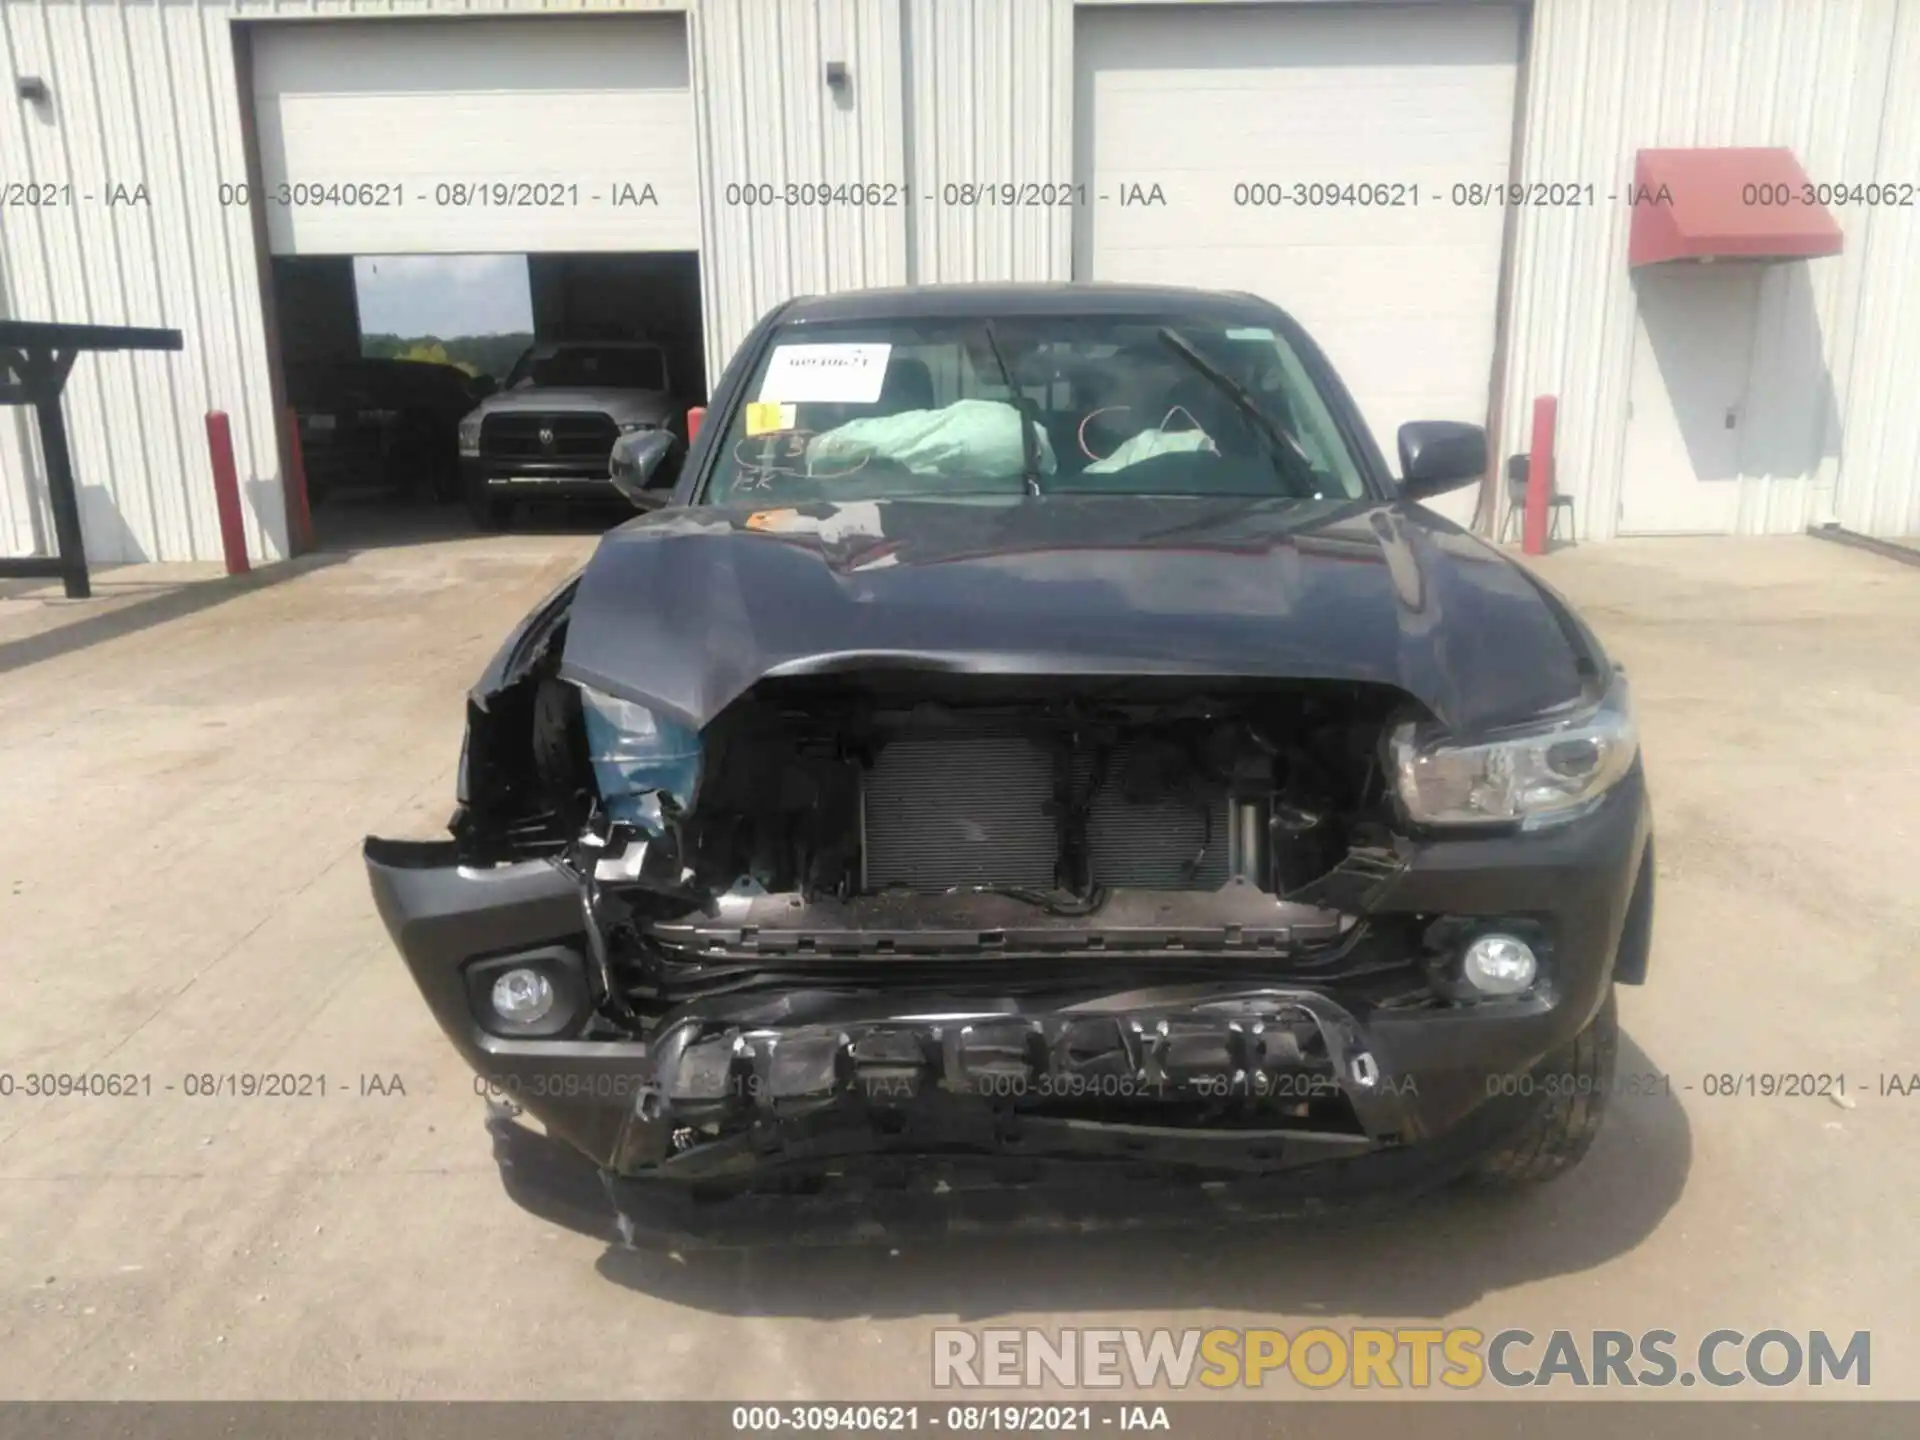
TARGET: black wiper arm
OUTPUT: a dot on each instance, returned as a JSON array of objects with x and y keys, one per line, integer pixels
[
  {"x": 1290, "y": 462},
  {"x": 1029, "y": 444}
]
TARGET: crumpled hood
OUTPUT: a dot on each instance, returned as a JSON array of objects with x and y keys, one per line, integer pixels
[{"x": 684, "y": 610}]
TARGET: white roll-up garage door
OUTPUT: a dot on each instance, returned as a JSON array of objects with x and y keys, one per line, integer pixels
[
  {"x": 476, "y": 136},
  {"x": 1308, "y": 153}
]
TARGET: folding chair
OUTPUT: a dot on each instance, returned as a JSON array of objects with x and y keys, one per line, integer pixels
[{"x": 1517, "y": 502}]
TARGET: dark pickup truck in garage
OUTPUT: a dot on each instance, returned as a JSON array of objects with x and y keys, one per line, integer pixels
[{"x": 383, "y": 422}]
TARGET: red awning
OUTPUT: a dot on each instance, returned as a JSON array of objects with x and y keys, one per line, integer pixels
[{"x": 1738, "y": 204}]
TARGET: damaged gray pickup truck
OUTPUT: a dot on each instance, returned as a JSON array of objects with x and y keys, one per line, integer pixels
[{"x": 1041, "y": 739}]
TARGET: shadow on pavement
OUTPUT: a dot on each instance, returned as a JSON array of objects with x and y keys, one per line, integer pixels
[
  {"x": 170, "y": 602},
  {"x": 344, "y": 527},
  {"x": 1432, "y": 1257}
]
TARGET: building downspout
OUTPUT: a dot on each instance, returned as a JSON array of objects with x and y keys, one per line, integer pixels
[{"x": 1486, "y": 506}]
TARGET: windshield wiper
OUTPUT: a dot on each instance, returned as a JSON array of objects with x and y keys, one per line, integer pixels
[
  {"x": 1029, "y": 444},
  {"x": 1290, "y": 462}
]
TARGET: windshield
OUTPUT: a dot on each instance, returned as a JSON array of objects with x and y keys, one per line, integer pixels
[
  {"x": 617, "y": 367},
  {"x": 1159, "y": 405}
]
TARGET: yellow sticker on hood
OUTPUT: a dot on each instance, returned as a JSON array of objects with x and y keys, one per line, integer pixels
[{"x": 767, "y": 417}]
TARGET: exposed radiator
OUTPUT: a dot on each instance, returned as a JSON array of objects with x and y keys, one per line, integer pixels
[
  {"x": 960, "y": 810},
  {"x": 972, "y": 809},
  {"x": 1155, "y": 845}
]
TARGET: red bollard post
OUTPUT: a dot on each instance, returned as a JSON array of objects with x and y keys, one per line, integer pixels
[
  {"x": 226, "y": 493},
  {"x": 299, "y": 509},
  {"x": 694, "y": 416},
  {"x": 1540, "y": 475}
]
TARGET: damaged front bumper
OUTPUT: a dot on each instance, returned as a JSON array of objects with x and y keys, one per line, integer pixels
[{"x": 1266, "y": 1060}]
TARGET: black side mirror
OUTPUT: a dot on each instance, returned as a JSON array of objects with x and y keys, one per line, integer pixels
[
  {"x": 635, "y": 463},
  {"x": 1440, "y": 455}
]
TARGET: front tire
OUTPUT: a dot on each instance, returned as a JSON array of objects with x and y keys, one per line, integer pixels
[{"x": 1557, "y": 1136}]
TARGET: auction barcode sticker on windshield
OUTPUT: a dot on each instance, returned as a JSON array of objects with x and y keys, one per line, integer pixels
[{"x": 847, "y": 374}]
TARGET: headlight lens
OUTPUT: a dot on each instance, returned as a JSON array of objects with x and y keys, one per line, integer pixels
[
  {"x": 469, "y": 435},
  {"x": 1536, "y": 777},
  {"x": 638, "y": 757},
  {"x": 627, "y": 427}
]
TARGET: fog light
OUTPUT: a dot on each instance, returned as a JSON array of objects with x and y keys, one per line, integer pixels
[
  {"x": 1499, "y": 965},
  {"x": 523, "y": 996}
]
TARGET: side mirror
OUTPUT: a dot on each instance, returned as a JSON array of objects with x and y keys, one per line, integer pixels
[
  {"x": 482, "y": 385},
  {"x": 1440, "y": 455},
  {"x": 635, "y": 463}
]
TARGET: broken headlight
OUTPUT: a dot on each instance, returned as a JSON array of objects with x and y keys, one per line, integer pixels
[
  {"x": 1535, "y": 777},
  {"x": 640, "y": 758}
]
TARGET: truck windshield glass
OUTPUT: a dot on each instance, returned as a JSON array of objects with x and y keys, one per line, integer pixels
[
  {"x": 613, "y": 366},
  {"x": 1140, "y": 405}
]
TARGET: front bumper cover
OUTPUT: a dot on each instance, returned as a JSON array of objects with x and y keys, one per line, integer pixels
[{"x": 1205, "y": 1078}]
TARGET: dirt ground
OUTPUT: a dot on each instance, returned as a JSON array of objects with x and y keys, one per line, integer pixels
[{"x": 186, "y": 771}]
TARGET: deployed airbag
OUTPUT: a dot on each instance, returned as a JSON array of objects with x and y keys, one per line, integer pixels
[
  {"x": 1149, "y": 443},
  {"x": 980, "y": 437}
]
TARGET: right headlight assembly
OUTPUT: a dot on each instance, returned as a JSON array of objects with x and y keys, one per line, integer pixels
[{"x": 1534, "y": 777}]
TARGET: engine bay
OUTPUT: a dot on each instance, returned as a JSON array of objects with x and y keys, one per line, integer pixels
[
  {"x": 874, "y": 783},
  {"x": 1056, "y": 792},
  {"x": 986, "y": 834}
]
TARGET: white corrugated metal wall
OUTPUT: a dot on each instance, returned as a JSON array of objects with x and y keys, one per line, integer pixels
[
  {"x": 1824, "y": 77},
  {"x": 142, "y": 95},
  {"x": 991, "y": 95},
  {"x": 946, "y": 90},
  {"x": 1878, "y": 488},
  {"x": 942, "y": 91},
  {"x": 765, "y": 114}
]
